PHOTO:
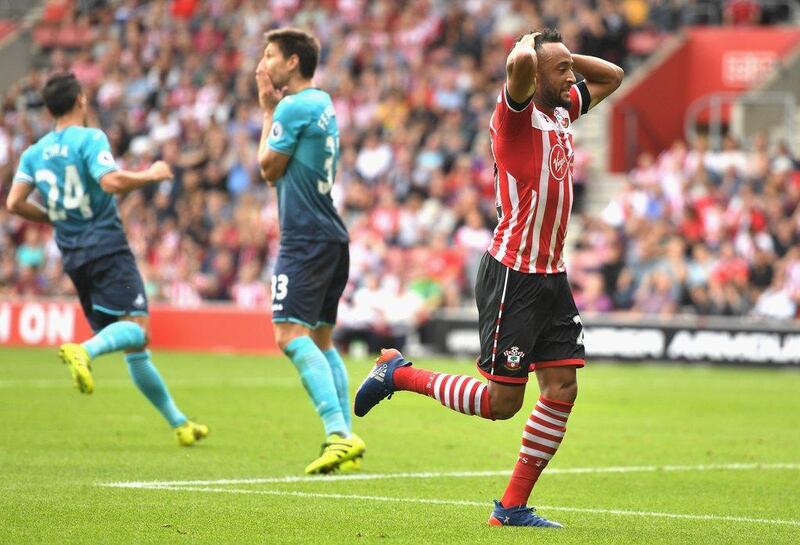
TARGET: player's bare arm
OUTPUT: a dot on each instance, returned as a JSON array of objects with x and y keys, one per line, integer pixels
[
  {"x": 18, "y": 203},
  {"x": 602, "y": 77},
  {"x": 272, "y": 163},
  {"x": 521, "y": 69},
  {"x": 125, "y": 181}
]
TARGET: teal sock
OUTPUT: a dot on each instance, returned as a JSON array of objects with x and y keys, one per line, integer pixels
[
  {"x": 122, "y": 335},
  {"x": 339, "y": 372},
  {"x": 318, "y": 381},
  {"x": 145, "y": 376}
]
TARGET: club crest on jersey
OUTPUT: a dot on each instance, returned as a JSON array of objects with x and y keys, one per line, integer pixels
[
  {"x": 558, "y": 162},
  {"x": 562, "y": 119},
  {"x": 513, "y": 358}
]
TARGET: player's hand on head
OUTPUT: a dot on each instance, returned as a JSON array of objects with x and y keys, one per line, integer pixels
[
  {"x": 161, "y": 171},
  {"x": 530, "y": 39},
  {"x": 268, "y": 95}
]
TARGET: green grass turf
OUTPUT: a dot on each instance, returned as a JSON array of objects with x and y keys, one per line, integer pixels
[{"x": 56, "y": 446}]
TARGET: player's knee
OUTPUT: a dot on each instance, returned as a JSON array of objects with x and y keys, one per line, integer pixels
[
  {"x": 504, "y": 407},
  {"x": 145, "y": 326},
  {"x": 282, "y": 342},
  {"x": 286, "y": 333},
  {"x": 503, "y": 412},
  {"x": 283, "y": 338},
  {"x": 565, "y": 390}
]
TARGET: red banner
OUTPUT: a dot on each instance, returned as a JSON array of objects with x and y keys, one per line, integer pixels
[
  {"x": 650, "y": 109},
  {"x": 223, "y": 328}
]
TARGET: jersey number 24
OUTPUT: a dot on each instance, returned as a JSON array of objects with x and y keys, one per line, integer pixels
[{"x": 74, "y": 195}]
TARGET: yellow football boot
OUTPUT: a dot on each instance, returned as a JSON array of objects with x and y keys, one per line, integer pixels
[
  {"x": 335, "y": 451},
  {"x": 76, "y": 357},
  {"x": 190, "y": 432},
  {"x": 351, "y": 466}
]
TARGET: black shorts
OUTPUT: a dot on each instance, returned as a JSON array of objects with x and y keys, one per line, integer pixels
[
  {"x": 536, "y": 326},
  {"x": 109, "y": 287},
  {"x": 308, "y": 280}
]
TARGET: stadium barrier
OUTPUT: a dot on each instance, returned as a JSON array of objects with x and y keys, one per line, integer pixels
[
  {"x": 226, "y": 328},
  {"x": 209, "y": 328},
  {"x": 713, "y": 340}
]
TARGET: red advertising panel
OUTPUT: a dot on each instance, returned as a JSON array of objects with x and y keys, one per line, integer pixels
[{"x": 208, "y": 328}]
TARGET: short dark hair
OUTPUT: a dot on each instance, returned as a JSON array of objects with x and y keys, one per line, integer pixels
[
  {"x": 293, "y": 41},
  {"x": 60, "y": 93},
  {"x": 547, "y": 36}
]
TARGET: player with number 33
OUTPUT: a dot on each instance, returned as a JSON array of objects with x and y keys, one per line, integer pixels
[{"x": 298, "y": 154}]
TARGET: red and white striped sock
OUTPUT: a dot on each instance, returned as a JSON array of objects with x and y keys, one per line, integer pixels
[
  {"x": 543, "y": 433},
  {"x": 461, "y": 393}
]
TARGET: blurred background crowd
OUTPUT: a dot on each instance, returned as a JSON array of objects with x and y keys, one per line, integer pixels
[
  {"x": 697, "y": 231},
  {"x": 414, "y": 85}
]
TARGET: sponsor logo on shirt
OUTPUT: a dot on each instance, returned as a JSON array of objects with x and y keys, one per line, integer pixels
[{"x": 558, "y": 162}]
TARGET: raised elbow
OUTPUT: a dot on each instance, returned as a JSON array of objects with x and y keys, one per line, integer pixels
[
  {"x": 110, "y": 183},
  {"x": 12, "y": 204},
  {"x": 268, "y": 172},
  {"x": 619, "y": 75},
  {"x": 264, "y": 170}
]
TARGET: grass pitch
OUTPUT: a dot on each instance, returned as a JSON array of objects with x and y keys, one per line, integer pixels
[{"x": 678, "y": 434}]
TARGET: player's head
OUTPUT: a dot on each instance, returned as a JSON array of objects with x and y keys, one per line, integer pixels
[
  {"x": 62, "y": 94},
  {"x": 554, "y": 75},
  {"x": 290, "y": 52}
]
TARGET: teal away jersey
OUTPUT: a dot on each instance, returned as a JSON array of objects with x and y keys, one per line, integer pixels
[
  {"x": 304, "y": 127},
  {"x": 66, "y": 167}
]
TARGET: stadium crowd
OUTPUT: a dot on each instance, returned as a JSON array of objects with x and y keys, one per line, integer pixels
[
  {"x": 711, "y": 232},
  {"x": 413, "y": 83}
]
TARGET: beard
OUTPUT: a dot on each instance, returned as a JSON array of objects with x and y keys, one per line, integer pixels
[
  {"x": 551, "y": 96},
  {"x": 560, "y": 102}
]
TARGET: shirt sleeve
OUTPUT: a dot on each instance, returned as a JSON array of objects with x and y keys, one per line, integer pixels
[
  {"x": 580, "y": 98},
  {"x": 288, "y": 122},
  {"x": 97, "y": 154},
  {"x": 510, "y": 116},
  {"x": 24, "y": 173}
]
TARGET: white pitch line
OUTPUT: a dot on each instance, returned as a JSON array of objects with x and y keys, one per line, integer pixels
[
  {"x": 483, "y": 504},
  {"x": 453, "y": 474}
]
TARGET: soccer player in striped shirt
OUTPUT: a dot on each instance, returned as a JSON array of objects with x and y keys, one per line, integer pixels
[{"x": 527, "y": 317}]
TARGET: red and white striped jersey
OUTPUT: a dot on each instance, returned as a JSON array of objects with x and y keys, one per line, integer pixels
[{"x": 533, "y": 154}]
